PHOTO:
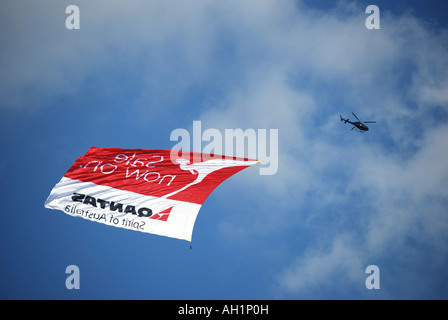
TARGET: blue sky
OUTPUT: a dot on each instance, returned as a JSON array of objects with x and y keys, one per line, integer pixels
[{"x": 340, "y": 200}]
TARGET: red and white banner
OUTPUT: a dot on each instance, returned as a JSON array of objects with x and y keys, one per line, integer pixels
[{"x": 150, "y": 190}]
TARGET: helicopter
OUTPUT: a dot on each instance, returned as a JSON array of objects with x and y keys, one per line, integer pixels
[{"x": 358, "y": 124}]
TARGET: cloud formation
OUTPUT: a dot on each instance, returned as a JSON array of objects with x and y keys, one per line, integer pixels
[{"x": 388, "y": 190}]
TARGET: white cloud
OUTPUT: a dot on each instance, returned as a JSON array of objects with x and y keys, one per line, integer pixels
[
  {"x": 410, "y": 195},
  {"x": 324, "y": 268},
  {"x": 398, "y": 181},
  {"x": 165, "y": 45}
]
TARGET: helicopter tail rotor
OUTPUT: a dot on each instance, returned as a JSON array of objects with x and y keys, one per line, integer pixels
[{"x": 342, "y": 119}]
